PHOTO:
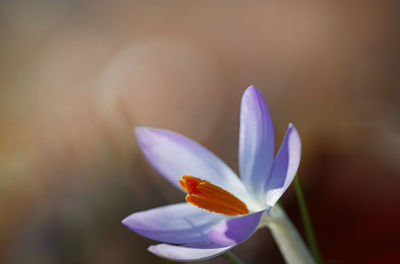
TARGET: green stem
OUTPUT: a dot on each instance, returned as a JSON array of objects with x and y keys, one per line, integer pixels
[
  {"x": 312, "y": 241},
  {"x": 233, "y": 258}
]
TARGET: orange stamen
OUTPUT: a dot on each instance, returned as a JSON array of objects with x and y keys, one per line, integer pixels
[{"x": 206, "y": 195}]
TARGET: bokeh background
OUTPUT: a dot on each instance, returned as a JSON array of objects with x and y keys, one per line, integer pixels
[{"x": 76, "y": 77}]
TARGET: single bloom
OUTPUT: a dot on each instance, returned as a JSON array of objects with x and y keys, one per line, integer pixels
[{"x": 222, "y": 210}]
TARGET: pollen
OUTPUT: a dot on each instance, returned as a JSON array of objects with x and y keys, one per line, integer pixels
[{"x": 206, "y": 195}]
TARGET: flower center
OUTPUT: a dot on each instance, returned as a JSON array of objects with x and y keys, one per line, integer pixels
[{"x": 206, "y": 195}]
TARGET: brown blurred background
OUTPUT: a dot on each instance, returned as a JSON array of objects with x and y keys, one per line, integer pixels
[{"x": 77, "y": 76}]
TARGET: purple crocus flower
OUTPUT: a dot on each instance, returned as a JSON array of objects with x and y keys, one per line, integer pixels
[{"x": 228, "y": 208}]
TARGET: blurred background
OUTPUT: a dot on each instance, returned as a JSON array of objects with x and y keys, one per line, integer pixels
[{"x": 77, "y": 76}]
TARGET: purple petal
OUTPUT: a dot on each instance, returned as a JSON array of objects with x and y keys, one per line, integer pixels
[
  {"x": 235, "y": 230},
  {"x": 174, "y": 155},
  {"x": 256, "y": 141},
  {"x": 188, "y": 252},
  {"x": 176, "y": 223},
  {"x": 285, "y": 166}
]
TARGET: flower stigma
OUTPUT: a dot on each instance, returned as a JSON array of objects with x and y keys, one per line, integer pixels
[{"x": 206, "y": 195}]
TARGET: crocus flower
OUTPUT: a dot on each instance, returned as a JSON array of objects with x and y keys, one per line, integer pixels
[{"x": 222, "y": 210}]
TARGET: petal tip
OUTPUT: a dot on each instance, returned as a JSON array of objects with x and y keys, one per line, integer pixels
[
  {"x": 253, "y": 97},
  {"x": 140, "y": 130},
  {"x": 294, "y": 135},
  {"x": 151, "y": 248},
  {"x": 251, "y": 89},
  {"x": 145, "y": 135},
  {"x": 129, "y": 222},
  {"x": 125, "y": 221},
  {"x": 137, "y": 129},
  {"x": 155, "y": 249}
]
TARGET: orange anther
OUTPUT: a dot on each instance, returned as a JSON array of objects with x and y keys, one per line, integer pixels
[{"x": 206, "y": 195}]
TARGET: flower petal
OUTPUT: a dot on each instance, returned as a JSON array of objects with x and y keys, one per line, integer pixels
[
  {"x": 176, "y": 223},
  {"x": 235, "y": 230},
  {"x": 256, "y": 141},
  {"x": 188, "y": 252},
  {"x": 284, "y": 167},
  {"x": 174, "y": 155}
]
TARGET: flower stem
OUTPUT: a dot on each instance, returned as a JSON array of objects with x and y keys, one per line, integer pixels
[
  {"x": 233, "y": 258},
  {"x": 289, "y": 241},
  {"x": 312, "y": 241}
]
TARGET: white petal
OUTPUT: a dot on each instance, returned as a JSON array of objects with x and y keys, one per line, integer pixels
[
  {"x": 235, "y": 230},
  {"x": 174, "y": 155},
  {"x": 256, "y": 141},
  {"x": 175, "y": 223},
  {"x": 285, "y": 166},
  {"x": 188, "y": 252}
]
